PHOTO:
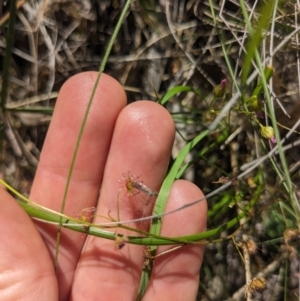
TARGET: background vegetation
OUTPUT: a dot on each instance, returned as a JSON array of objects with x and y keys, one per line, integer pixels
[{"x": 228, "y": 72}]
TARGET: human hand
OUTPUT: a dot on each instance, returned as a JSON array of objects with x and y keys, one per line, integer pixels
[{"x": 117, "y": 139}]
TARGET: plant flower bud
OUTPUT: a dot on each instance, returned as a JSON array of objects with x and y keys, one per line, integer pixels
[
  {"x": 268, "y": 133},
  {"x": 220, "y": 89}
]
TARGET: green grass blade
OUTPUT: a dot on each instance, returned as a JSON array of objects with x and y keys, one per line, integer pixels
[
  {"x": 178, "y": 89},
  {"x": 37, "y": 110},
  {"x": 256, "y": 37},
  {"x": 102, "y": 66},
  {"x": 161, "y": 201}
]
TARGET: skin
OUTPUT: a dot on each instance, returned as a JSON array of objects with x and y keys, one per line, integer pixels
[{"x": 118, "y": 141}]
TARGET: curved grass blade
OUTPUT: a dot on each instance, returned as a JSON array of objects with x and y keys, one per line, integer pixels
[
  {"x": 255, "y": 37},
  {"x": 161, "y": 202},
  {"x": 38, "y": 110},
  {"x": 102, "y": 66},
  {"x": 178, "y": 89},
  {"x": 48, "y": 215}
]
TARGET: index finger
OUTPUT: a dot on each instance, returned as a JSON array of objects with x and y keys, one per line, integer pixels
[{"x": 52, "y": 173}]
